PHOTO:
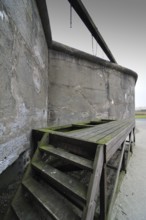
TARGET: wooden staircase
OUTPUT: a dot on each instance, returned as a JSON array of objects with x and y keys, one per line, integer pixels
[
  {"x": 52, "y": 187},
  {"x": 75, "y": 172}
]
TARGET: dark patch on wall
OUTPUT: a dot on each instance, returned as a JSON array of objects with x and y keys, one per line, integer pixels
[{"x": 10, "y": 180}]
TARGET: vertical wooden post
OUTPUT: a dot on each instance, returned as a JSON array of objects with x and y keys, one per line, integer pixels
[
  {"x": 43, "y": 11},
  {"x": 94, "y": 185},
  {"x": 130, "y": 142},
  {"x": 103, "y": 198},
  {"x": 123, "y": 166},
  {"x": 134, "y": 135}
]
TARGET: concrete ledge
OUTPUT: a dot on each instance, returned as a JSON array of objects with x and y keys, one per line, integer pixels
[{"x": 88, "y": 57}]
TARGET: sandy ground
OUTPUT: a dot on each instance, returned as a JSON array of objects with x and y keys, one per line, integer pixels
[{"x": 131, "y": 200}]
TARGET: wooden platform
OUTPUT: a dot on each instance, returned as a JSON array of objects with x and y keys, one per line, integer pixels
[{"x": 75, "y": 170}]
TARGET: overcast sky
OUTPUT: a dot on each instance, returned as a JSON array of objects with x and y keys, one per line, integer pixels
[{"x": 122, "y": 24}]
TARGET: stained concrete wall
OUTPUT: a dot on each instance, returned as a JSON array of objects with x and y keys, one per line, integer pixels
[
  {"x": 37, "y": 90},
  {"x": 83, "y": 87},
  {"x": 23, "y": 90},
  {"x": 23, "y": 77}
]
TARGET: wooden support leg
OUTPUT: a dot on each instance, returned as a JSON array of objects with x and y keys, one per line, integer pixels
[
  {"x": 103, "y": 198},
  {"x": 130, "y": 142},
  {"x": 94, "y": 185},
  {"x": 123, "y": 166},
  {"x": 134, "y": 135}
]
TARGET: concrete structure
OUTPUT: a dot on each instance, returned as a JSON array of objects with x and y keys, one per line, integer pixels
[
  {"x": 23, "y": 88},
  {"x": 42, "y": 86},
  {"x": 24, "y": 78},
  {"x": 83, "y": 87}
]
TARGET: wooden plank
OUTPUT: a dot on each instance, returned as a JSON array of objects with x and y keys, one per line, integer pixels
[
  {"x": 94, "y": 185},
  {"x": 107, "y": 127},
  {"x": 10, "y": 215},
  {"x": 82, "y": 126},
  {"x": 105, "y": 135},
  {"x": 90, "y": 130},
  {"x": 61, "y": 180},
  {"x": 54, "y": 128},
  {"x": 101, "y": 129},
  {"x": 94, "y": 122},
  {"x": 111, "y": 167},
  {"x": 56, "y": 205},
  {"x": 64, "y": 155},
  {"x": 68, "y": 126},
  {"x": 24, "y": 209},
  {"x": 107, "y": 138},
  {"x": 80, "y": 133},
  {"x": 102, "y": 137},
  {"x": 117, "y": 140},
  {"x": 73, "y": 145},
  {"x": 125, "y": 131},
  {"x": 94, "y": 130}
]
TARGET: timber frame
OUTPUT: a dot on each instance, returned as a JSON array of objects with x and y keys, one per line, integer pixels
[
  {"x": 122, "y": 140},
  {"x": 100, "y": 148}
]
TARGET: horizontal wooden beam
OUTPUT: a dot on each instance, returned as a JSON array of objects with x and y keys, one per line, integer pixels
[
  {"x": 86, "y": 18},
  {"x": 43, "y": 12}
]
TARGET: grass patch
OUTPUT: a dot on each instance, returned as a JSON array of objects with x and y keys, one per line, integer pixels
[{"x": 140, "y": 116}]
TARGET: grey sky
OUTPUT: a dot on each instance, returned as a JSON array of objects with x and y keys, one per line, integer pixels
[{"x": 122, "y": 24}]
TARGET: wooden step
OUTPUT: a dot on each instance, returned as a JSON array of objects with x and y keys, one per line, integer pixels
[
  {"x": 72, "y": 158},
  {"x": 24, "y": 210},
  {"x": 10, "y": 215},
  {"x": 61, "y": 180},
  {"x": 56, "y": 205}
]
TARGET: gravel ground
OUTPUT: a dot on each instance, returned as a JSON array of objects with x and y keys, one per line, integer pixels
[{"x": 131, "y": 200}]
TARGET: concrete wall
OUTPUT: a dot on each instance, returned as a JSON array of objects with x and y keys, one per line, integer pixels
[
  {"x": 23, "y": 77},
  {"x": 83, "y": 87},
  {"x": 23, "y": 89},
  {"x": 37, "y": 90}
]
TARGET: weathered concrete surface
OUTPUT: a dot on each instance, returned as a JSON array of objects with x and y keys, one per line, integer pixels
[
  {"x": 23, "y": 90},
  {"x": 82, "y": 87},
  {"x": 10, "y": 180},
  {"x": 23, "y": 77}
]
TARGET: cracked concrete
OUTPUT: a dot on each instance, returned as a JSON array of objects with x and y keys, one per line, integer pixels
[
  {"x": 83, "y": 90},
  {"x": 37, "y": 90},
  {"x": 23, "y": 90},
  {"x": 24, "y": 76}
]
